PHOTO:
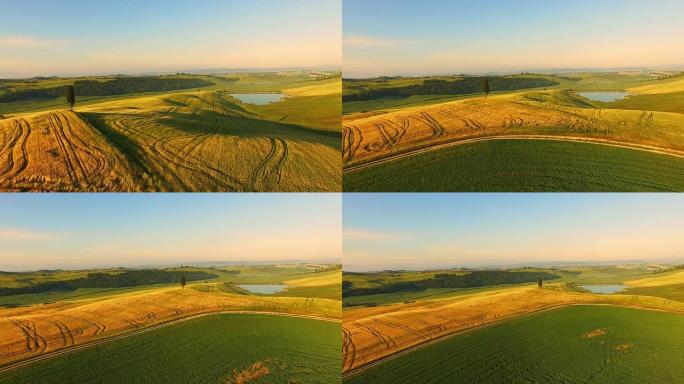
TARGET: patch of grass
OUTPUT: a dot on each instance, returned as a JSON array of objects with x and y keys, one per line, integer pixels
[
  {"x": 523, "y": 165},
  {"x": 664, "y": 102},
  {"x": 213, "y": 349},
  {"x": 77, "y": 294},
  {"x": 350, "y": 107},
  {"x": 670, "y": 291},
  {"x": 409, "y": 296},
  {"x": 636, "y": 346},
  {"x": 330, "y": 291}
]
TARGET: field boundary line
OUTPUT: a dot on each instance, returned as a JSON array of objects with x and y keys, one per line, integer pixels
[
  {"x": 456, "y": 142},
  {"x": 427, "y": 343},
  {"x": 64, "y": 351}
]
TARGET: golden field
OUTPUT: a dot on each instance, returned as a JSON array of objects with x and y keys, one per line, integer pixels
[
  {"x": 372, "y": 136},
  {"x": 196, "y": 140}
]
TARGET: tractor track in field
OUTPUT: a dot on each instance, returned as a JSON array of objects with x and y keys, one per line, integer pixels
[
  {"x": 162, "y": 148},
  {"x": 457, "y": 142},
  {"x": 64, "y": 331},
  {"x": 34, "y": 342},
  {"x": 103, "y": 161},
  {"x": 8, "y": 146},
  {"x": 122, "y": 125},
  {"x": 74, "y": 348},
  {"x": 386, "y": 340},
  {"x": 348, "y": 349},
  {"x": 15, "y": 166},
  {"x": 437, "y": 128},
  {"x": 73, "y": 164},
  {"x": 100, "y": 328},
  {"x": 352, "y": 138},
  {"x": 268, "y": 173},
  {"x": 193, "y": 163}
]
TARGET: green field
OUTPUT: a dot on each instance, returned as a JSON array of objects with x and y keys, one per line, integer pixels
[
  {"x": 580, "y": 344},
  {"x": 671, "y": 292},
  {"x": 523, "y": 165},
  {"x": 212, "y": 349}
]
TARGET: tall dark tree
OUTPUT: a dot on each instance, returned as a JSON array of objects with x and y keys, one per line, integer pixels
[
  {"x": 70, "y": 96},
  {"x": 539, "y": 283},
  {"x": 183, "y": 280},
  {"x": 485, "y": 86}
]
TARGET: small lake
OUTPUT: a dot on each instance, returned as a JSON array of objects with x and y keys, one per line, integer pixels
[
  {"x": 605, "y": 289},
  {"x": 258, "y": 98},
  {"x": 606, "y": 97},
  {"x": 264, "y": 289}
]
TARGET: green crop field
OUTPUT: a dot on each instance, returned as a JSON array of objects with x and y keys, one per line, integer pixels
[
  {"x": 579, "y": 344},
  {"x": 213, "y": 349},
  {"x": 523, "y": 165}
]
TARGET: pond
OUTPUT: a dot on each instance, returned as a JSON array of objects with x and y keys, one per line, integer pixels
[
  {"x": 605, "y": 289},
  {"x": 606, "y": 97},
  {"x": 264, "y": 289},
  {"x": 258, "y": 98}
]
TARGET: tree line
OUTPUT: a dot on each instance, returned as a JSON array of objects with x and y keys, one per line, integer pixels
[
  {"x": 118, "y": 86},
  {"x": 465, "y": 85},
  {"x": 130, "y": 278},
  {"x": 472, "y": 279}
]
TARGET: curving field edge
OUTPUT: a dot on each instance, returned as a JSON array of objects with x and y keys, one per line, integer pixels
[{"x": 64, "y": 351}]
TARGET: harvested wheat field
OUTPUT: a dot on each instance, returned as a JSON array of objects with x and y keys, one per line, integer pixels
[
  {"x": 190, "y": 140},
  {"x": 39, "y": 329},
  {"x": 373, "y": 333}
]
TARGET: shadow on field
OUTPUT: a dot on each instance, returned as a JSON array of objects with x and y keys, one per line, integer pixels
[
  {"x": 205, "y": 122},
  {"x": 133, "y": 153}
]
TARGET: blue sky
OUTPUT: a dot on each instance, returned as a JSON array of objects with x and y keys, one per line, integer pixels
[
  {"x": 390, "y": 37},
  {"x": 421, "y": 231},
  {"x": 85, "y": 230},
  {"x": 44, "y": 37}
]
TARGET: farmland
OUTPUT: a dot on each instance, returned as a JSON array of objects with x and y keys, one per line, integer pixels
[
  {"x": 507, "y": 165},
  {"x": 107, "y": 310},
  {"x": 391, "y": 331},
  {"x": 393, "y": 128},
  {"x": 171, "y": 133},
  {"x": 273, "y": 349},
  {"x": 585, "y": 344}
]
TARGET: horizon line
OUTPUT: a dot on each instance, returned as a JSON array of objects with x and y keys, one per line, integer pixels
[
  {"x": 534, "y": 71},
  {"x": 197, "y": 71}
]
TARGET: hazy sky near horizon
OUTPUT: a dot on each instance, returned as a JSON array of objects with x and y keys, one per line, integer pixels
[
  {"x": 408, "y": 37},
  {"x": 77, "y": 230},
  {"x": 422, "y": 231},
  {"x": 80, "y": 37}
]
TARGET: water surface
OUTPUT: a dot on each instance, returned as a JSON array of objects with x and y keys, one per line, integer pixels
[
  {"x": 606, "y": 97},
  {"x": 264, "y": 289},
  {"x": 605, "y": 289},
  {"x": 258, "y": 98}
]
